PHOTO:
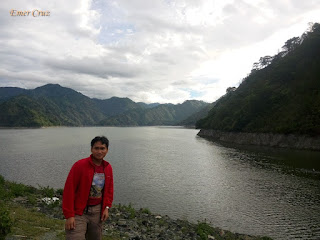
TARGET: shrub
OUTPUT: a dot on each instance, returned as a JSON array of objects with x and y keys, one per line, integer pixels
[
  {"x": 32, "y": 199},
  {"x": 18, "y": 189},
  {"x": 203, "y": 230},
  {"x": 145, "y": 210},
  {"x": 5, "y": 221},
  {"x": 131, "y": 211},
  {"x": 59, "y": 191},
  {"x": 3, "y": 193},
  {"x": 2, "y": 181},
  {"x": 47, "y": 191}
]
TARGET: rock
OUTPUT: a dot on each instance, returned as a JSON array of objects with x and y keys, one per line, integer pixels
[
  {"x": 20, "y": 199},
  {"x": 145, "y": 222},
  {"x": 122, "y": 222},
  {"x": 264, "y": 139},
  {"x": 136, "y": 238},
  {"x": 49, "y": 201}
]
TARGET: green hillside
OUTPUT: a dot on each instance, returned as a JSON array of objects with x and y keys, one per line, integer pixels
[
  {"x": 281, "y": 95},
  {"x": 23, "y": 111},
  {"x": 164, "y": 114},
  {"x": 49, "y": 105}
]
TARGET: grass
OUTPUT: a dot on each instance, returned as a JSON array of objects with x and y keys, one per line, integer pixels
[
  {"x": 129, "y": 209},
  {"x": 146, "y": 211},
  {"x": 32, "y": 224},
  {"x": 28, "y": 222}
]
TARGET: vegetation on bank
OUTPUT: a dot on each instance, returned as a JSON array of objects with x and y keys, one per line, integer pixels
[
  {"x": 31, "y": 213},
  {"x": 20, "y": 215},
  {"x": 280, "y": 95}
]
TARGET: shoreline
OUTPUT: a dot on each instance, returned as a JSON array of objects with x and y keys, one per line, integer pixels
[
  {"x": 94, "y": 126},
  {"x": 41, "y": 208},
  {"x": 290, "y": 141}
]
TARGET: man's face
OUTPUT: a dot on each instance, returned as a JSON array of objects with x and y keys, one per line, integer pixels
[{"x": 99, "y": 151}]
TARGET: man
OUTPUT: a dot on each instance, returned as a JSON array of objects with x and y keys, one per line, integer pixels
[{"x": 88, "y": 194}]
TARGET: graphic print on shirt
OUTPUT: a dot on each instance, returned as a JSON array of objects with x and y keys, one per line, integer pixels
[{"x": 97, "y": 185}]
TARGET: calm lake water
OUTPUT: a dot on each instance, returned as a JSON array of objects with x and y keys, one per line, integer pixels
[{"x": 257, "y": 191}]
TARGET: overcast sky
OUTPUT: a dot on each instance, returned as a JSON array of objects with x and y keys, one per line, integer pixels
[{"x": 147, "y": 50}]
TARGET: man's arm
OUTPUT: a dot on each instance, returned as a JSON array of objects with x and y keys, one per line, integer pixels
[
  {"x": 108, "y": 188},
  {"x": 68, "y": 194},
  {"x": 105, "y": 214},
  {"x": 70, "y": 223}
]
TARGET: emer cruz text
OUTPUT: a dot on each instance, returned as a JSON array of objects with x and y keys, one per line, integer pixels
[{"x": 33, "y": 13}]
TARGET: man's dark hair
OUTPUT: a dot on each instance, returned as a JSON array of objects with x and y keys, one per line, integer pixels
[{"x": 101, "y": 139}]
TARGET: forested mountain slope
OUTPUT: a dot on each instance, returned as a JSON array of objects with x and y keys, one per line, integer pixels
[
  {"x": 49, "y": 105},
  {"x": 281, "y": 95}
]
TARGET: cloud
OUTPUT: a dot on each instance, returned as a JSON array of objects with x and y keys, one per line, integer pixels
[
  {"x": 102, "y": 67},
  {"x": 151, "y": 51}
]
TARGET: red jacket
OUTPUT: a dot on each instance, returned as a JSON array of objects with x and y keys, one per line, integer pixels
[{"x": 77, "y": 187}]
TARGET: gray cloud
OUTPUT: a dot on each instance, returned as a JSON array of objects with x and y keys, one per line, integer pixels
[
  {"x": 146, "y": 50},
  {"x": 99, "y": 67}
]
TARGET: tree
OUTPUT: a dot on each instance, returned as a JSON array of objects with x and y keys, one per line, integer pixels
[
  {"x": 231, "y": 89},
  {"x": 263, "y": 62},
  {"x": 291, "y": 44}
]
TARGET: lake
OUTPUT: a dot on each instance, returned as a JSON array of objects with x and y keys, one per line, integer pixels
[{"x": 172, "y": 171}]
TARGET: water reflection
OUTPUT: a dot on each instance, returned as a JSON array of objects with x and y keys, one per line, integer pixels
[{"x": 288, "y": 161}]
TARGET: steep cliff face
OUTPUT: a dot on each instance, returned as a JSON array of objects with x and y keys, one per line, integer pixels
[{"x": 264, "y": 139}]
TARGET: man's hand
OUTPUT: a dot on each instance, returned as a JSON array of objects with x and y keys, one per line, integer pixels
[
  {"x": 105, "y": 215},
  {"x": 70, "y": 223}
]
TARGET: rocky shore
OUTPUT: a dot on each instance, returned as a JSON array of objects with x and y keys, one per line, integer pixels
[
  {"x": 127, "y": 223},
  {"x": 263, "y": 139},
  {"x": 143, "y": 225},
  {"x": 27, "y": 212}
]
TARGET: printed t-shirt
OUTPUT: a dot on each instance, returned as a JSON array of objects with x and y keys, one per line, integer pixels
[{"x": 95, "y": 196}]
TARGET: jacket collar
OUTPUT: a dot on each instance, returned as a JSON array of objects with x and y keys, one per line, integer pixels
[{"x": 104, "y": 163}]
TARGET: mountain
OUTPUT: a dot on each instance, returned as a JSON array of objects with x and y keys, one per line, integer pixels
[
  {"x": 9, "y": 92},
  {"x": 163, "y": 114},
  {"x": 115, "y": 106},
  {"x": 150, "y": 105},
  {"x": 281, "y": 94},
  {"x": 191, "y": 120},
  {"x": 54, "y": 105},
  {"x": 49, "y": 105}
]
